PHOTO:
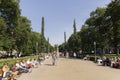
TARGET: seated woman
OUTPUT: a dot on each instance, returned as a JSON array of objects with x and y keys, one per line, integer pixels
[
  {"x": 29, "y": 63},
  {"x": 5, "y": 69},
  {"x": 23, "y": 64},
  {"x": 14, "y": 72},
  {"x": 7, "y": 74},
  {"x": 21, "y": 68}
]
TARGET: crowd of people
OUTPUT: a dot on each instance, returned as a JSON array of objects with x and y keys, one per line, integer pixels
[
  {"x": 24, "y": 66},
  {"x": 113, "y": 62}
]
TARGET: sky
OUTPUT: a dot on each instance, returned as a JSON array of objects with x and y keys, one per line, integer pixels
[{"x": 59, "y": 15}]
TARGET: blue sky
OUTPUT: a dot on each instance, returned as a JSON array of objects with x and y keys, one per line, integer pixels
[{"x": 58, "y": 15}]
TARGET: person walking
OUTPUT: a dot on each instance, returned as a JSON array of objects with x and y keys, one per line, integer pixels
[{"x": 54, "y": 58}]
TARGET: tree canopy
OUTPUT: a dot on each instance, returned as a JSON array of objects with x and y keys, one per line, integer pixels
[
  {"x": 101, "y": 27},
  {"x": 16, "y": 32}
]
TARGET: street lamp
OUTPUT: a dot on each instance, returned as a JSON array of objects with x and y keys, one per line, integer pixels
[
  {"x": 36, "y": 48},
  {"x": 95, "y": 50}
]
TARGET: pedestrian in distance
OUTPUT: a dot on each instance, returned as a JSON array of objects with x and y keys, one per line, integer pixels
[{"x": 54, "y": 57}]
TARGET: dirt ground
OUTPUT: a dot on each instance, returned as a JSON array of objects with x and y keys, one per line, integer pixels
[{"x": 71, "y": 69}]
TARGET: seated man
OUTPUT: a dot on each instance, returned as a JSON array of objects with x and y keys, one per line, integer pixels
[{"x": 21, "y": 68}]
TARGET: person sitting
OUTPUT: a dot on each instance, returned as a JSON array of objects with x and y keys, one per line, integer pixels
[
  {"x": 35, "y": 63},
  {"x": 29, "y": 63},
  {"x": 20, "y": 68},
  {"x": 99, "y": 61},
  {"x": 104, "y": 60},
  {"x": 116, "y": 64},
  {"x": 108, "y": 62},
  {"x": 7, "y": 73},
  {"x": 14, "y": 71},
  {"x": 1, "y": 72},
  {"x": 23, "y": 64}
]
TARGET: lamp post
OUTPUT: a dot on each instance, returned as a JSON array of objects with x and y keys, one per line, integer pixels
[
  {"x": 95, "y": 50},
  {"x": 12, "y": 40},
  {"x": 36, "y": 48}
]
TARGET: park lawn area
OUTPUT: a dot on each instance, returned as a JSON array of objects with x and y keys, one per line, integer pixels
[
  {"x": 106, "y": 55},
  {"x": 112, "y": 55},
  {"x": 11, "y": 61}
]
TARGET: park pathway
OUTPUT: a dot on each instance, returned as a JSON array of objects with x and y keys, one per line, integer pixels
[{"x": 71, "y": 69}]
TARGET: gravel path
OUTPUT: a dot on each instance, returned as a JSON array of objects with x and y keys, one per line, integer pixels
[{"x": 71, "y": 69}]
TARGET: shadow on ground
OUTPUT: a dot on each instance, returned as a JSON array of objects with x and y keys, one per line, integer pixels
[{"x": 49, "y": 64}]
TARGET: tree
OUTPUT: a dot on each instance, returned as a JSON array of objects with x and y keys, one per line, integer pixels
[
  {"x": 96, "y": 28},
  {"x": 22, "y": 40},
  {"x": 10, "y": 11},
  {"x": 42, "y": 28},
  {"x": 36, "y": 42},
  {"x": 87, "y": 35},
  {"x": 43, "y": 47},
  {"x": 16, "y": 33},
  {"x": 62, "y": 47},
  {"x": 74, "y": 27},
  {"x": 113, "y": 17},
  {"x": 74, "y": 43},
  {"x": 3, "y": 35},
  {"x": 102, "y": 27},
  {"x": 65, "y": 46}
]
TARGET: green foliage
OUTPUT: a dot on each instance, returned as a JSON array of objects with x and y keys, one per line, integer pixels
[
  {"x": 74, "y": 27},
  {"x": 95, "y": 22},
  {"x": 42, "y": 28},
  {"x": 102, "y": 27},
  {"x": 62, "y": 47},
  {"x": 4, "y": 42},
  {"x": 16, "y": 33},
  {"x": 43, "y": 40},
  {"x": 74, "y": 40},
  {"x": 74, "y": 43},
  {"x": 65, "y": 46},
  {"x": 87, "y": 38},
  {"x": 10, "y": 11},
  {"x": 113, "y": 16},
  {"x": 22, "y": 40}
]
